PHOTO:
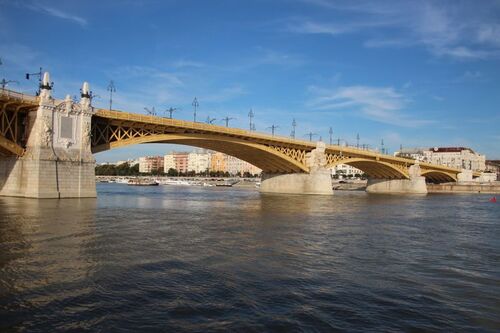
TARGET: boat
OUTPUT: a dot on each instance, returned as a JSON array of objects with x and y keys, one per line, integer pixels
[{"x": 142, "y": 182}]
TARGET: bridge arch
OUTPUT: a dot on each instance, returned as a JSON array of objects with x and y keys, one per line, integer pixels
[
  {"x": 263, "y": 157},
  {"x": 374, "y": 168},
  {"x": 436, "y": 176}
]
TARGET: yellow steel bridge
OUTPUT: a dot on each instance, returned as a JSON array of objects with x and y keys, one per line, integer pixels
[{"x": 274, "y": 154}]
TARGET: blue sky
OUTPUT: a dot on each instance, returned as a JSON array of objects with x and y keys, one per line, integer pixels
[{"x": 416, "y": 73}]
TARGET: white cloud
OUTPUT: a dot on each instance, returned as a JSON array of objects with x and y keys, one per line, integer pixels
[
  {"x": 55, "y": 12},
  {"x": 457, "y": 30},
  {"x": 383, "y": 105}
]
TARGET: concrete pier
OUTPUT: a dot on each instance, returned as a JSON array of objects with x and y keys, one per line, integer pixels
[
  {"x": 414, "y": 185},
  {"x": 397, "y": 186},
  {"x": 297, "y": 183},
  {"x": 317, "y": 181}
]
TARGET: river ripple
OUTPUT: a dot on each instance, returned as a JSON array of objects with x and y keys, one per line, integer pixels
[{"x": 210, "y": 259}]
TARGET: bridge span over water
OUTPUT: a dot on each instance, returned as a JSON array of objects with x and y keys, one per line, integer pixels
[{"x": 47, "y": 147}]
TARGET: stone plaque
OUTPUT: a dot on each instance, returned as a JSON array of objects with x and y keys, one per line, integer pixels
[{"x": 66, "y": 127}]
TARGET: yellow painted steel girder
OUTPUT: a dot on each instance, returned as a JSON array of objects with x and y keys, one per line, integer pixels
[{"x": 262, "y": 156}]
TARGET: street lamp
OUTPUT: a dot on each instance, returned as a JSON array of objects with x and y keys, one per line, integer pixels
[
  {"x": 294, "y": 125},
  {"x": 273, "y": 128},
  {"x": 250, "y": 116},
  {"x": 151, "y": 112},
  {"x": 111, "y": 89},
  {"x": 4, "y": 83},
  {"x": 310, "y": 135},
  {"x": 170, "y": 111},
  {"x": 330, "y": 131},
  {"x": 210, "y": 121},
  {"x": 227, "y": 119},
  {"x": 357, "y": 140},
  {"x": 195, "y": 105},
  {"x": 39, "y": 74}
]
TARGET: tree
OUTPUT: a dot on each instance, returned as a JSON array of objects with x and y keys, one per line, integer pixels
[{"x": 172, "y": 172}]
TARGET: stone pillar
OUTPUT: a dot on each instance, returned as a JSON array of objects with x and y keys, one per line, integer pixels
[
  {"x": 58, "y": 162},
  {"x": 317, "y": 181},
  {"x": 414, "y": 185}
]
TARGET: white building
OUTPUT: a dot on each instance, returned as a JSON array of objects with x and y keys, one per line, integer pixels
[
  {"x": 198, "y": 161},
  {"x": 453, "y": 157},
  {"x": 345, "y": 170},
  {"x": 235, "y": 165},
  {"x": 456, "y": 157},
  {"x": 168, "y": 162}
]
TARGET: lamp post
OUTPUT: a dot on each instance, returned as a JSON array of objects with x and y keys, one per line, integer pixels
[
  {"x": 357, "y": 140},
  {"x": 171, "y": 111},
  {"x": 151, "y": 112},
  {"x": 195, "y": 105},
  {"x": 39, "y": 74},
  {"x": 382, "y": 146},
  {"x": 294, "y": 125},
  {"x": 111, "y": 89},
  {"x": 310, "y": 135},
  {"x": 330, "y": 131},
  {"x": 210, "y": 121},
  {"x": 227, "y": 119},
  {"x": 273, "y": 128},
  {"x": 250, "y": 117},
  {"x": 4, "y": 83}
]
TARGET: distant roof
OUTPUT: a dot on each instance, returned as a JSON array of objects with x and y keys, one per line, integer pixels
[{"x": 449, "y": 149}]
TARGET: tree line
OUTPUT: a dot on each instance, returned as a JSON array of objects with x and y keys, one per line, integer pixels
[{"x": 126, "y": 170}]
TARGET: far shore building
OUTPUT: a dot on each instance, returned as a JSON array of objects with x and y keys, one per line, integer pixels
[
  {"x": 453, "y": 157},
  {"x": 345, "y": 170},
  {"x": 199, "y": 161},
  {"x": 218, "y": 162},
  {"x": 202, "y": 161},
  {"x": 236, "y": 166},
  {"x": 150, "y": 164},
  {"x": 177, "y": 161}
]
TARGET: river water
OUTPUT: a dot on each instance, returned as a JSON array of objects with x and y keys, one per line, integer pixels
[{"x": 179, "y": 259}]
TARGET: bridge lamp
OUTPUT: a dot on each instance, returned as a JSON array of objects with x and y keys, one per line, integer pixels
[
  {"x": 310, "y": 135},
  {"x": 227, "y": 119},
  {"x": 39, "y": 74},
  {"x": 195, "y": 105},
  {"x": 111, "y": 89},
  {"x": 4, "y": 83},
  {"x": 150, "y": 112},
  {"x": 170, "y": 111},
  {"x": 273, "y": 128},
  {"x": 250, "y": 116},
  {"x": 330, "y": 131},
  {"x": 294, "y": 125}
]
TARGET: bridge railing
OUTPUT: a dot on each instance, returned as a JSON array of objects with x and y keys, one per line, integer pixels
[{"x": 17, "y": 95}]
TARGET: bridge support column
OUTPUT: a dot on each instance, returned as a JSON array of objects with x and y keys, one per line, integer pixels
[
  {"x": 414, "y": 185},
  {"x": 58, "y": 162},
  {"x": 317, "y": 181}
]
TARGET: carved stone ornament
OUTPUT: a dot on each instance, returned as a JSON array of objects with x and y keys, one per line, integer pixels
[
  {"x": 86, "y": 135},
  {"x": 46, "y": 131},
  {"x": 68, "y": 107},
  {"x": 316, "y": 159}
]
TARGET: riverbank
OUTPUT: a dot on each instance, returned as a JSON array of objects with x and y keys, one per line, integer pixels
[{"x": 488, "y": 188}]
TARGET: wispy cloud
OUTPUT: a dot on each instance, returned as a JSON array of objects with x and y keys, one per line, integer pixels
[
  {"x": 384, "y": 105},
  {"x": 55, "y": 12},
  {"x": 461, "y": 31}
]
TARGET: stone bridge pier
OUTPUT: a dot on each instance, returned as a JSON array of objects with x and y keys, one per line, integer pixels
[
  {"x": 57, "y": 162},
  {"x": 317, "y": 181},
  {"x": 414, "y": 185}
]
